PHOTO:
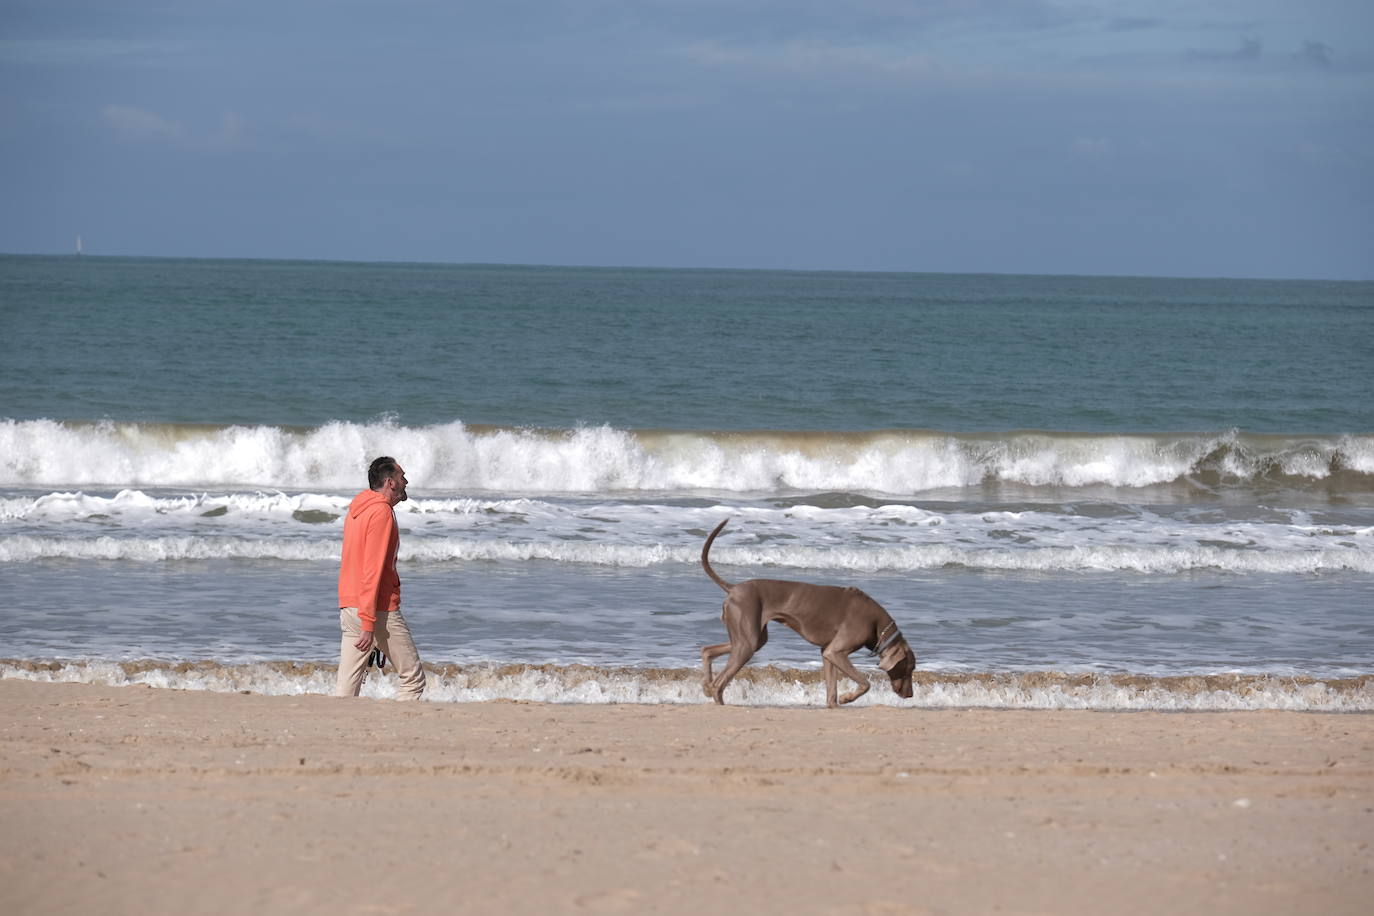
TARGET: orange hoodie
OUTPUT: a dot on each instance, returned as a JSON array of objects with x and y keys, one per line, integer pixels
[{"x": 367, "y": 573}]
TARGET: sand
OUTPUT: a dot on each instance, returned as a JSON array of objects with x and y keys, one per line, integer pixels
[{"x": 139, "y": 800}]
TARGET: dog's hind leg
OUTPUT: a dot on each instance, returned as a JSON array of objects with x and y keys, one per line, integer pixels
[
  {"x": 711, "y": 653},
  {"x": 739, "y": 656},
  {"x": 708, "y": 655},
  {"x": 748, "y": 634}
]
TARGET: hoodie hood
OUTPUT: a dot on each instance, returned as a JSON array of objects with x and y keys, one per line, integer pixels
[{"x": 364, "y": 501}]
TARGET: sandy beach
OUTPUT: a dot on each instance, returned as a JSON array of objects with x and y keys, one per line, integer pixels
[{"x": 139, "y": 800}]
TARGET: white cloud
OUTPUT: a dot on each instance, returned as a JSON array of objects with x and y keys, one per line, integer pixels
[
  {"x": 1090, "y": 148},
  {"x": 68, "y": 52},
  {"x": 233, "y": 131},
  {"x": 813, "y": 57},
  {"x": 138, "y": 123}
]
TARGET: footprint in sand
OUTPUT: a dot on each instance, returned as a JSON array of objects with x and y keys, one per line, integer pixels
[{"x": 614, "y": 900}]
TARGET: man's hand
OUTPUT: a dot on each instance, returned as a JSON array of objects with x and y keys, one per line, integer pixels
[{"x": 364, "y": 642}]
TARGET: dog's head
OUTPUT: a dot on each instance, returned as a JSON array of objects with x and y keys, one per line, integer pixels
[{"x": 899, "y": 662}]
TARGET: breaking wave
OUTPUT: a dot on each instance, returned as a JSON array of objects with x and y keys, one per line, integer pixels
[{"x": 457, "y": 457}]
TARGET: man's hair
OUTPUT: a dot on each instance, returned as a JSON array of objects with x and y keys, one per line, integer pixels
[{"x": 379, "y": 470}]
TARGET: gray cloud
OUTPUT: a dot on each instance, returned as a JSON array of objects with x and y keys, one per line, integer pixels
[
  {"x": 1133, "y": 24},
  {"x": 1250, "y": 49},
  {"x": 1315, "y": 53}
]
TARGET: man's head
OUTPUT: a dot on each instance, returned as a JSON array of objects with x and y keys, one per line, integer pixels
[{"x": 386, "y": 477}]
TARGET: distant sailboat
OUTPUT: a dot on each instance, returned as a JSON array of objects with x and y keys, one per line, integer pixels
[{"x": 78, "y": 244}]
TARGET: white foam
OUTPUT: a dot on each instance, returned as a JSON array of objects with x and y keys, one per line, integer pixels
[
  {"x": 1051, "y": 559},
  {"x": 24, "y": 549},
  {"x": 546, "y": 684},
  {"x": 455, "y": 457},
  {"x": 144, "y": 526}
]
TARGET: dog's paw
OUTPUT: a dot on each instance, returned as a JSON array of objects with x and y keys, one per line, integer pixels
[{"x": 851, "y": 697}]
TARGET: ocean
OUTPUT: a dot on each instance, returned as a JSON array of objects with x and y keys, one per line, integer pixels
[{"x": 1070, "y": 492}]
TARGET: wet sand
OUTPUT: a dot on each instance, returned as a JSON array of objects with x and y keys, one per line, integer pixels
[{"x": 139, "y": 800}]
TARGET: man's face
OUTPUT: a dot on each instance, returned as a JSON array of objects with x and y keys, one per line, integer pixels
[{"x": 395, "y": 487}]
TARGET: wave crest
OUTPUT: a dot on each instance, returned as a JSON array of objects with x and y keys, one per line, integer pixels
[{"x": 457, "y": 457}]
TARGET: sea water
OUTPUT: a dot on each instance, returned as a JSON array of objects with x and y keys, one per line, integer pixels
[{"x": 1068, "y": 491}]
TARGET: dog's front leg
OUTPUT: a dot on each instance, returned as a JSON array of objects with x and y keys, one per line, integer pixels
[{"x": 838, "y": 663}]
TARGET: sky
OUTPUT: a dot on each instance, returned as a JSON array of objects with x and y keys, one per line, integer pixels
[{"x": 1189, "y": 138}]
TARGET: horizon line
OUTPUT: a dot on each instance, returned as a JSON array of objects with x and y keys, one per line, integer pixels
[{"x": 86, "y": 255}]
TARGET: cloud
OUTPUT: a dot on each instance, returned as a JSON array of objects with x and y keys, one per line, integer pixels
[
  {"x": 140, "y": 124},
  {"x": 1326, "y": 156},
  {"x": 1133, "y": 24},
  {"x": 1090, "y": 148},
  {"x": 233, "y": 131},
  {"x": 1316, "y": 53},
  {"x": 818, "y": 57},
  {"x": 1250, "y": 49},
  {"x": 74, "y": 52}
]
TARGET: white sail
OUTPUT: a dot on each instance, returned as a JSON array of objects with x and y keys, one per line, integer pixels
[{"x": 78, "y": 244}]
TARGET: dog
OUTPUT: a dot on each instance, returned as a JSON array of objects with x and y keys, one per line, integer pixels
[{"x": 837, "y": 619}]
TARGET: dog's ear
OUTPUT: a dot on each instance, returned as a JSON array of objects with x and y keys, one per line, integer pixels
[{"x": 892, "y": 656}]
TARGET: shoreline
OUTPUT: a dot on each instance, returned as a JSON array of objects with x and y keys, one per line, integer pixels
[
  {"x": 759, "y": 685},
  {"x": 123, "y": 799}
]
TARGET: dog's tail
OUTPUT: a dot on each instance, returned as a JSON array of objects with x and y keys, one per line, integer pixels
[{"x": 706, "y": 564}]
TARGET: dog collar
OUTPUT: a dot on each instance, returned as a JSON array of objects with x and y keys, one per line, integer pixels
[{"x": 884, "y": 642}]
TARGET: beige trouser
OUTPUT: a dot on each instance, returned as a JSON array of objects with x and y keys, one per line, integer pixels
[{"x": 392, "y": 636}]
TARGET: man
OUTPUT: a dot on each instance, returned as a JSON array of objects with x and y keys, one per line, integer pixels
[{"x": 370, "y": 589}]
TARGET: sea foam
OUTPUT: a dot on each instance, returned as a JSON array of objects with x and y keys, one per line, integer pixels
[
  {"x": 456, "y": 457},
  {"x": 819, "y": 532},
  {"x": 1159, "y": 560},
  {"x": 758, "y": 686}
]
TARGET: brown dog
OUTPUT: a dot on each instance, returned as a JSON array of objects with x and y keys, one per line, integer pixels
[{"x": 839, "y": 620}]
